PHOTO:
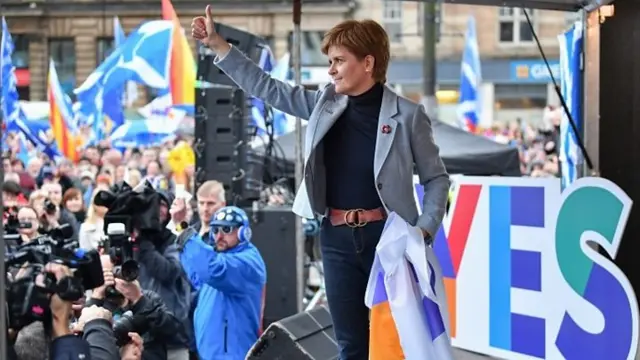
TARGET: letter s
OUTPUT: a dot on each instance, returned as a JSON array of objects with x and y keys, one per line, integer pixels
[{"x": 590, "y": 206}]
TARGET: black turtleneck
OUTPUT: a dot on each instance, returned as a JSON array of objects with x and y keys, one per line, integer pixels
[{"x": 349, "y": 150}]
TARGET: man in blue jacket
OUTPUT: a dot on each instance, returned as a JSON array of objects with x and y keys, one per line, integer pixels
[{"x": 230, "y": 274}]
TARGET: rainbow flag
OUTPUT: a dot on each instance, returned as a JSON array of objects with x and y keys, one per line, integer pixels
[
  {"x": 409, "y": 315},
  {"x": 183, "y": 70},
  {"x": 61, "y": 117}
]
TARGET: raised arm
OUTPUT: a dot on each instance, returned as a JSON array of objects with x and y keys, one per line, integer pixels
[{"x": 293, "y": 100}]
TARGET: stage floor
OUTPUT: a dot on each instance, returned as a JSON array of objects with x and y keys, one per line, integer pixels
[{"x": 465, "y": 355}]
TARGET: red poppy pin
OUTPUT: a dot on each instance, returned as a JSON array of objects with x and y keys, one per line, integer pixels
[{"x": 386, "y": 129}]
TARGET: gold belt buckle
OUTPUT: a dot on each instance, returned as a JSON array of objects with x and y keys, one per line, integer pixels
[{"x": 356, "y": 215}]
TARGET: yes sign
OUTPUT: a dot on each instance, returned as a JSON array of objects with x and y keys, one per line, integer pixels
[{"x": 522, "y": 277}]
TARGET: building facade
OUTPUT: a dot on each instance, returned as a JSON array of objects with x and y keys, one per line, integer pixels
[
  {"x": 78, "y": 34},
  {"x": 515, "y": 79}
]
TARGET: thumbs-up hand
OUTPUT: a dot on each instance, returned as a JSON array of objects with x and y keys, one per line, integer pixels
[{"x": 203, "y": 29}]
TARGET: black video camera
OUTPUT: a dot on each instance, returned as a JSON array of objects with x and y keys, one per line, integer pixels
[
  {"x": 120, "y": 249},
  {"x": 131, "y": 212},
  {"x": 136, "y": 208},
  {"x": 27, "y": 299}
]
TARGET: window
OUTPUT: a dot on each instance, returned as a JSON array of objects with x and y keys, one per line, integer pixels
[
  {"x": 310, "y": 48},
  {"x": 103, "y": 49},
  {"x": 439, "y": 17},
  {"x": 392, "y": 19},
  {"x": 63, "y": 53},
  {"x": 20, "y": 56},
  {"x": 513, "y": 26}
]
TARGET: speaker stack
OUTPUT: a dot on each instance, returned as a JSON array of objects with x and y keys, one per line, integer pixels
[
  {"x": 273, "y": 230},
  {"x": 222, "y": 121}
]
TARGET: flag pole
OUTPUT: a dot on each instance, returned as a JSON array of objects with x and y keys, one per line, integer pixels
[{"x": 296, "y": 59}]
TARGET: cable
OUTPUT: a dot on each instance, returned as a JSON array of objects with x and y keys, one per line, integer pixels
[{"x": 563, "y": 102}]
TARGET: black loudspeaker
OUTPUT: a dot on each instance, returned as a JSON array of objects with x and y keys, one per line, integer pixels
[
  {"x": 304, "y": 336},
  {"x": 246, "y": 42},
  {"x": 273, "y": 233},
  {"x": 221, "y": 129}
]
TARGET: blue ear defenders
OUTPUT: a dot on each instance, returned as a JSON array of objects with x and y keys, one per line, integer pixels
[{"x": 233, "y": 216}]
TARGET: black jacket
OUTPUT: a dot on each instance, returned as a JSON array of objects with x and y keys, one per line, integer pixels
[
  {"x": 99, "y": 334},
  {"x": 162, "y": 273}
]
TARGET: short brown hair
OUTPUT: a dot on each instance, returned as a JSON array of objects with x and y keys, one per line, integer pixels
[
  {"x": 70, "y": 194},
  {"x": 362, "y": 38}
]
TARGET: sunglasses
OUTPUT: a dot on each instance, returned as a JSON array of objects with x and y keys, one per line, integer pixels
[{"x": 224, "y": 229}]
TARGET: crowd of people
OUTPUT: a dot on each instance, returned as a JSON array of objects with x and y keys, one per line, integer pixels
[
  {"x": 537, "y": 146},
  {"x": 199, "y": 292}
]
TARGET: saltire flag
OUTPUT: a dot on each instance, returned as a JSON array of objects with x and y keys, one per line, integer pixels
[
  {"x": 61, "y": 117},
  {"x": 15, "y": 120},
  {"x": 183, "y": 67},
  {"x": 571, "y": 50},
  {"x": 406, "y": 295},
  {"x": 144, "y": 57},
  {"x": 113, "y": 100},
  {"x": 119, "y": 37},
  {"x": 282, "y": 123},
  {"x": 9, "y": 104},
  {"x": 469, "y": 103}
]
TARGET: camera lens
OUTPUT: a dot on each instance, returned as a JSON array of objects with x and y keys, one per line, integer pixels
[
  {"x": 129, "y": 270},
  {"x": 122, "y": 328}
]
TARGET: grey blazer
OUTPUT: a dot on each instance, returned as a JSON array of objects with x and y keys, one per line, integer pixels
[{"x": 409, "y": 142}]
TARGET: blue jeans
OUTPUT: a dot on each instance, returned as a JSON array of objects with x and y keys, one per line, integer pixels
[{"x": 347, "y": 257}]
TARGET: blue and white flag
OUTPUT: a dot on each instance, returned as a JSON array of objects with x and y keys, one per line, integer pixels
[
  {"x": 9, "y": 93},
  {"x": 471, "y": 77},
  {"x": 144, "y": 57},
  {"x": 112, "y": 100},
  {"x": 282, "y": 123},
  {"x": 119, "y": 37},
  {"x": 144, "y": 133},
  {"x": 571, "y": 50},
  {"x": 13, "y": 116},
  {"x": 406, "y": 295}
]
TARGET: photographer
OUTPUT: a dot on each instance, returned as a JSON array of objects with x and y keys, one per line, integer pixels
[
  {"x": 28, "y": 224},
  {"x": 156, "y": 324},
  {"x": 95, "y": 324},
  {"x": 161, "y": 272},
  {"x": 64, "y": 344},
  {"x": 52, "y": 206}
]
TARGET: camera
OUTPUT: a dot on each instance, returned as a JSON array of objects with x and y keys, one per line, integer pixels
[
  {"x": 120, "y": 249},
  {"x": 135, "y": 208},
  {"x": 49, "y": 207},
  {"x": 128, "y": 323},
  {"x": 28, "y": 300}
]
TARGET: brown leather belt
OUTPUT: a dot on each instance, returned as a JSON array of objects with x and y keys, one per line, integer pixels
[{"x": 356, "y": 217}]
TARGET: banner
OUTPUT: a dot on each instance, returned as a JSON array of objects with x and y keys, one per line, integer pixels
[{"x": 521, "y": 273}]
